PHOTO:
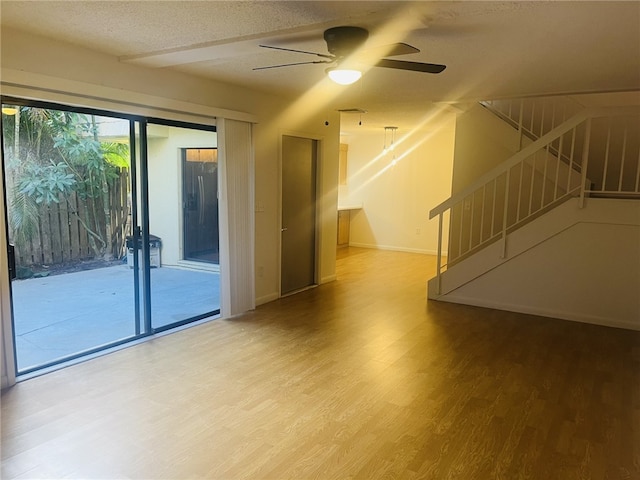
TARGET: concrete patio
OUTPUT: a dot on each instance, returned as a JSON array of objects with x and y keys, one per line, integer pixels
[{"x": 61, "y": 315}]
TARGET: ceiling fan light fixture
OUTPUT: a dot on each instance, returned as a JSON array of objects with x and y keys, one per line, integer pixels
[{"x": 344, "y": 76}]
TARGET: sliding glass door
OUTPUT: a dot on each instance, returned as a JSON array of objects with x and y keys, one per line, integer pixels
[
  {"x": 183, "y": 222},
  {"x": 68, "y": 196},
  {"x": 96, "y": 219}
]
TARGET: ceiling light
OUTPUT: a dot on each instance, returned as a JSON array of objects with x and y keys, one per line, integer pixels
[
  {"x": 9, "y": 110},
  {"x": 344, "y": 76}
]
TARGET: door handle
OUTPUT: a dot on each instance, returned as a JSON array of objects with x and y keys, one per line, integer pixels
[
  {"x": 284, "y": 229},
  {"x": 201, "y": 194},
  {"x": 12, "y": 261}
]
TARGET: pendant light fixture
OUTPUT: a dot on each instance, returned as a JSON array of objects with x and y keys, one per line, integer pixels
[{"x": 391, "y": 131}]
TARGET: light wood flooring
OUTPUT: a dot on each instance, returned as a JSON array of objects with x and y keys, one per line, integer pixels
[{"x": 361, "y": 378}]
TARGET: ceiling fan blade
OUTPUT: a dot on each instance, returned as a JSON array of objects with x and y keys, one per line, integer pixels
[
  {"x": 323, "y": 55},
  {"x": 391, "y": 50},
  {"x": 412, "y": 66},
  {"x": 292, "y": 64}
]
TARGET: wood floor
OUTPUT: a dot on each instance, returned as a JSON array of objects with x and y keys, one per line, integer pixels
[{"x": 360, "y": 378}]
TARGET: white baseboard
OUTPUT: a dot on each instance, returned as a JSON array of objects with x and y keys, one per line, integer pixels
[
  {"x": 267, "y": 298},
  {"x": 527, "y": 309},
  {"x": 396, "y": 248},
  {"x": 199, "y": 266},
  {"x": 328, "y": 278},
  {"x": 270, "y": 297}
]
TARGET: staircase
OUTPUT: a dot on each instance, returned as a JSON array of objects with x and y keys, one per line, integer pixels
[{"x": 575, "y": 178}]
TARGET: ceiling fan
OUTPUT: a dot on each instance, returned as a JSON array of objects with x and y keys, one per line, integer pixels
[{"x": 342, "y": 42}]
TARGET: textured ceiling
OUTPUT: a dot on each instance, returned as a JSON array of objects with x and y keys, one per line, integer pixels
[{"x": 491, "y": 49}]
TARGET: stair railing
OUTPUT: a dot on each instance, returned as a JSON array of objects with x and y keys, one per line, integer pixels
[
  {"x": 540, "y": 176},
  {"x": 535, "y": 116}
]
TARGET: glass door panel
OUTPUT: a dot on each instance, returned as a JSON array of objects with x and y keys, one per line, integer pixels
[
  {"x": 200, "y": 204},
  {"x": 182, "y": 174},
  {"x": 68, "y": 176}
]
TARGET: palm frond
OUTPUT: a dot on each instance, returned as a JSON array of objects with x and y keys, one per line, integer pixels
[{"x": 24, "y": 217}]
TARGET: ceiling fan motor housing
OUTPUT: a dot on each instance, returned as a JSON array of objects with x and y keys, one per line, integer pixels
[{"x": 342, "y": 41}]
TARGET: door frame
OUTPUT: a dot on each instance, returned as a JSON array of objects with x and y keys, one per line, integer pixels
[
  {"x": 7, "y": 350},
  {"x": 318, "y": 204},
  {"x": 140, "y": 286},
  {"x": 139, "y": 183}
]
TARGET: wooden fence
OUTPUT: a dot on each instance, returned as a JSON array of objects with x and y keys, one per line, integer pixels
[{"x": 61, "y": 238}]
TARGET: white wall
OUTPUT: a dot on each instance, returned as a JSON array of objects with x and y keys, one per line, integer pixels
[
  {"x": 62, "y": 68},
  {"x": 589, "y": 272},
  {"x": 298, "y": 122},
  {"x": 396, "y": 199},
  {"x": 165, "y": 183},
  {"x": 482, "y": 142}
]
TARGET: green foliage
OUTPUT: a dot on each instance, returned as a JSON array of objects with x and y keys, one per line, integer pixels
[
  {"x": 50, "y": 156},
  {"x": 45, "y": 183},
  {"x": 23, "y": 217},
  {"x": 116, "y": 154}
]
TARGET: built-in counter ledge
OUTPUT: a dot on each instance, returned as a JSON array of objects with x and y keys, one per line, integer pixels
[{"x": 342, "y": 208}]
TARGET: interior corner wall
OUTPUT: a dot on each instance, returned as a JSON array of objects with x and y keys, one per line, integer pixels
[
  {"x": 483, "y": 141},
  {"x": 84, "y": 72},
  {"x": 396, "y": 199}
]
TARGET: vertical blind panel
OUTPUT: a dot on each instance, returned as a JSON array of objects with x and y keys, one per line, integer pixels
[{"x": 236, "y": 217}]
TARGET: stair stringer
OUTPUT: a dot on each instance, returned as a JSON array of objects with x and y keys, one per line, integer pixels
[{"x": 486, "y": 279}]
